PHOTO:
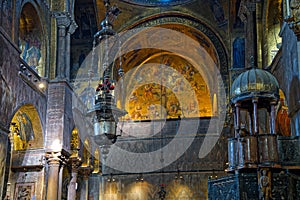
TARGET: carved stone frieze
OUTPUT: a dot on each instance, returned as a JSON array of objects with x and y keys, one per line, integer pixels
[
  {"x": 289, "y": 151},
  {"x": 238, "y": 186}
]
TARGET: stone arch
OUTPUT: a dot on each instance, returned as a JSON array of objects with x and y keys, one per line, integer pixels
[
  {"x": 201, "y": 33},
  {"x": 31, "y": 37},
  {"x": 26, "y": 128}
]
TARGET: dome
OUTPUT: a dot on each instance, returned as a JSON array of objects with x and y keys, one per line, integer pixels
[{"x": 254, "y": 83}]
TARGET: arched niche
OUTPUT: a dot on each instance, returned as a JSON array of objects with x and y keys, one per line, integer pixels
[
  {"x": 86, "y": 154},
  {"x": 166, "y": 96},
  {"x": 191, "y": 47},
  {"x": 31, "y": 39},
  {"x": 97, "y": 165},
  {"x": 26, "y": 129},
  {"x": 175, "y": 52},
  {"x": 75, "y": 142}
]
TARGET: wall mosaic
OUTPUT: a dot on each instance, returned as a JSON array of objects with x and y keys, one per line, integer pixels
[{"x": 30, "y": 39}]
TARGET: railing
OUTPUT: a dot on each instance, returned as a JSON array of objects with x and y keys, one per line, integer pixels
[{"x": 31, "y": 77}]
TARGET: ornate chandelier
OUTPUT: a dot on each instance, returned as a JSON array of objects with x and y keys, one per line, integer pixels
[{"x": 105, "y": 112}]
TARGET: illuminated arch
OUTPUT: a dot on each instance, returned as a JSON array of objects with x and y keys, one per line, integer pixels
[{"x": 27, "y": 129}]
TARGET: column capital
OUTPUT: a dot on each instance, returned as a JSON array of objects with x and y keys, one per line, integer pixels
[
  {"x": 63, "y": 19},
  {"x": 246, "y": 8},
  {"x": 75, "y": 163},
  {"x": 255, "y": 100},
  {"x": 73, "y": 26},
  {"x": 53, "y": 158},
  {"x": 56, "y": 158},
  {"x": 85, "y": 171},
  {"x": 274, "y": 102}
]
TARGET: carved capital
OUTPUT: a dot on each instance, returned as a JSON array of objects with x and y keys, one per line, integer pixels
[
  {"x": 56, "y": 158},
  {"x": 247, "y": 7},
  {"x": 73, "y": 26},
  {"x": 53, "y": 158},
  {"x": 75, "y": 163},
  {"x": 85, "y": 171},
  {"x": 63, "y": 19}
]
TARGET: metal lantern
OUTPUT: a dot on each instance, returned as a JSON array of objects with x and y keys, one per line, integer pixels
[{"x": 105, "y": 112}]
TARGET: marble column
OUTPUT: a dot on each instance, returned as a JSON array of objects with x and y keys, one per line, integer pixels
[
  {"x": 70, "y": 31},
  {"x": 255, "y": 115},
  {"x": 54, "y": 163},
  {"x": 75, "y": 163},
  {"x": 63, "y": 22},
  {"x": 84, "y": 192},
  {"x": 272, "y": 117},
  {"x": 237, "y": 119}
]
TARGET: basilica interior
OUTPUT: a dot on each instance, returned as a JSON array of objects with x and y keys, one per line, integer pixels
[{"x": 149, "y": 99}]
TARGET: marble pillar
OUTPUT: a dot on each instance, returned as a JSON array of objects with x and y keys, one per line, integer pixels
[
  {"x": 84, "y": 191},
  {"x": 63, "y": 22},
  {"x": 75, "y": 163},
  {"x": 70, "y": 31},
  {"x": 54, "y": 163}
]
